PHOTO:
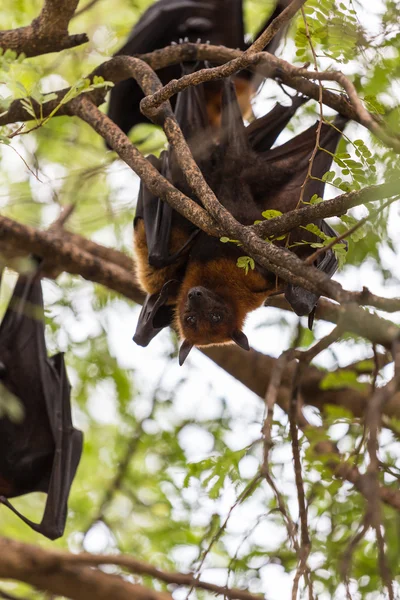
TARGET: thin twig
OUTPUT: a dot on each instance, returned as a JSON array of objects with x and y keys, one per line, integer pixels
[
  {"x": 305, "y": 546},
  {"x": 82, "y": 10}
]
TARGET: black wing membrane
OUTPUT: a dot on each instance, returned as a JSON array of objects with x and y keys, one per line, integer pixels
[
  {"x": 156, "y": 314},
  {"x": 190, "y": 112},
  {"x": 263, "y": 132},
  {"x": 191, "y": 115},
  {"x": 157, "y": 217},
  {"x": 278, "y": 178},
  {"x": 42, "y": 452}
]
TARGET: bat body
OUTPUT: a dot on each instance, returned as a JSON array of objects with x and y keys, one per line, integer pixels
[
  {"x": 193, "y": 281},
  {"x": 41, "y": 453},
  {"x": 219, "y": 22}
]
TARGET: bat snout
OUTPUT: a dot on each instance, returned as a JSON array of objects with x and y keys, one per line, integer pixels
[{"x": 196, "y": 297}]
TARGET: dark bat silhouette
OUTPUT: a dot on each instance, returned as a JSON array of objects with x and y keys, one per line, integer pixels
[
  {"x": 189, "y": 277},
  {"x": 42, "y": 452},
  {"x": 218, "y": 21}
]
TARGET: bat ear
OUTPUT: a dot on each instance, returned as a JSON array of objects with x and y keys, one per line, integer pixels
[
  {"x": 241, "y": 339},
  {"x": 184, "y": 351}
]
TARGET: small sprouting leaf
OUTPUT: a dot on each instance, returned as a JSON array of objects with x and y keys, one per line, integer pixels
[
  {"x": 316, "y": 231},
  {"x": 271, "y": 214},
  {"x": 225, "y": 240},
  {"x": 340, "y": 254},
  {"x": 328, "y": 176},
  {"x": 49, "y": 97},
  {"x": 315, "y": 199},
  {"x": 246, "y": 263}
]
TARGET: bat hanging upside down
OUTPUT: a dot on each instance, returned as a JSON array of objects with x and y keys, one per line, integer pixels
[
  {"x": 41, "y": 452},
  {"x": 193, "y": 280}
]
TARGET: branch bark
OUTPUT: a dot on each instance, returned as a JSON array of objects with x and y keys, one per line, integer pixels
[
  {"x": 69, "y": 575},
  {"x": 47, "y": 33},
  {"x": 45, "y": 570}
]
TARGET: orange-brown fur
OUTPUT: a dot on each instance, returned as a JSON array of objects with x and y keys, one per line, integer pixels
[
  {"x": 152, "y": 279},
  {"x": 242, "y": 292},
  {"x": 6, "y": 487},
  {"x": 244, "y": 91}
]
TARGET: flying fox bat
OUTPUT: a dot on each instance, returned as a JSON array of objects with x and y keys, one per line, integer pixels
[
  {"x": 192, "y": 279},
  {"x": 218, "y": 21},
  {"x": 42, "y": 452}
]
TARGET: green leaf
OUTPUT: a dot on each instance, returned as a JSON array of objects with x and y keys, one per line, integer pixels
[
  {"x": 246, "y": 263},
  {"x": 271, "y": 214}
]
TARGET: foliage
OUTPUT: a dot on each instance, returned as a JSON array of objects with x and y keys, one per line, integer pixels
[{"x": 192, "y": 447}]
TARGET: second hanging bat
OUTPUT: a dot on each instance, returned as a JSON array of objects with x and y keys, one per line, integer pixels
[
  {"x": 40, "y": 452},
  {"x": 219, "y": 22}
]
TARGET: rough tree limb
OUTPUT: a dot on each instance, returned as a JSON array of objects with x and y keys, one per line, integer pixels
[
  {"x": 67, "y": 255},
  {"x": 67, "y": 574},
  {"x": 329, "y": 208},
  {"x": 47, "y": 33},
  {"x": 44, "y": 570}
]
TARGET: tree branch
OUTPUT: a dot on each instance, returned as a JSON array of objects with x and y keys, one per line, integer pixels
[
  {"x": 47, "y": 33},
  {"x": 69, "y": 574},
  {"x": 66, "y": 255},
  {"x": 329, "y": 208},
  {"x": 45, "y": 570}
]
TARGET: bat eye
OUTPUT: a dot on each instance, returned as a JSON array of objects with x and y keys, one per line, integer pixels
[
  {"x": 191, "y": 320},
  {"x": 215, "y": 317}
]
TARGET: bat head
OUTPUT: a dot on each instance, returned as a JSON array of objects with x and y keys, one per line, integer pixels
[{"x": 206, "y": 319}]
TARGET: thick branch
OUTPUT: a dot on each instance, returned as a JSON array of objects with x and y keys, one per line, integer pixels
[
  {"x": 254, "y": 370},
  {"x": 44, "y": 570},
  {"x": 117, "y": 69},
  {"x": 47, "y": 33},
  {"x": 83, "y": 259},
  {"x": 69, "y": 574},
  {"x": 140, "y": 568},
  {"x": 263, "y": 62}
]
